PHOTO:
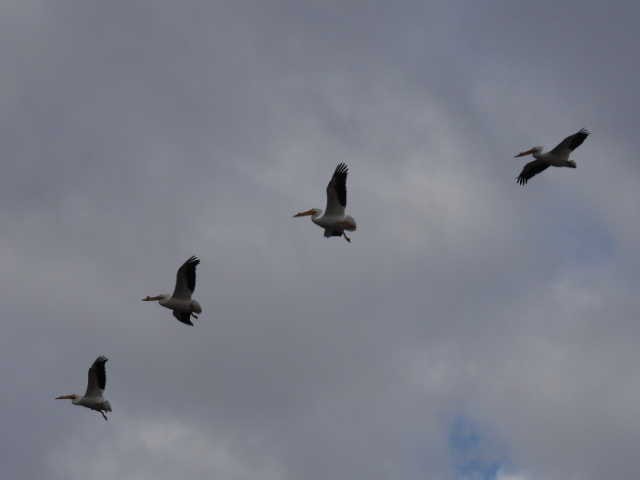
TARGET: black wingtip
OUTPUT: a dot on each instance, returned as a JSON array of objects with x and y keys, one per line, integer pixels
[
  {"x": 183, "y": 317},
  {"x": 193, "y": 260},
  {"x": 341, "y": 169}
]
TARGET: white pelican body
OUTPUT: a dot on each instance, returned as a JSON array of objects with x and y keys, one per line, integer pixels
[
  {"x": 180, "y": 302},
  {"x": 558, "y": 157},
  {"x": 334, "y": 221},
  {"x": 93, "y": 397}
]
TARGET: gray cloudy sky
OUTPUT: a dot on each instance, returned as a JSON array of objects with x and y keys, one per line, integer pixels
[{"x": 473, "y": 329}]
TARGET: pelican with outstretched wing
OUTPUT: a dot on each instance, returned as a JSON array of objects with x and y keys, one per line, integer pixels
[
  {"x": 558, "y": 157},
  {"x": 93, "y": 397},
  {"x": 180, "y": 302},
  {"x": 334, "y": 221}
]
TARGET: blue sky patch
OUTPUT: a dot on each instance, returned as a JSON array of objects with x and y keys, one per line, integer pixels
[{"x": 474, "y": 455}]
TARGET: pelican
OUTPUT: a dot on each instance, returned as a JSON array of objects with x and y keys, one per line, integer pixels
[
  {"x": 558, "y": 157},
  {"x": 334, "y": 221},
  {"x": 180, "y": 302},
  {"x": 93, "y": 398}
]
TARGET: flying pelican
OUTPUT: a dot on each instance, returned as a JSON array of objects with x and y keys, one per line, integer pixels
[
  {"x": 93, "y": 398},
  {"x": 334, "y": 221},
  {"x": 180, "y": 302},
  {"x": 558, "y": 157}
]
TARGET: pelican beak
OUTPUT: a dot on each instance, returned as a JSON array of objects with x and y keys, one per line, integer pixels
[
  {"x": 304, "y": 214},
  {"x": 65, "y": 397},
  {"x": 528, "y": 152},
  {"x": 146, "y": 299}
]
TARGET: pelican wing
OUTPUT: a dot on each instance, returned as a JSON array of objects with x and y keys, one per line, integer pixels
[
  {"x": 337, "y": 192},
  {"x": 97, "y": 381},
  {"x": 531, "y": 169},
  {"x": 186, "y": 279},
  {"x": 570, "y": 143},
  {"x": 184, "y": 317}
]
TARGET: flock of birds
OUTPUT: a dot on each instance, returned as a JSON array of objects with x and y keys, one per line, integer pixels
[{"x": 334, "y": 221}]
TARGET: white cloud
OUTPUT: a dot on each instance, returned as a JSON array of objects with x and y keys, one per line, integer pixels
[
  {"x": 137, "y": 137},
  {"x": 155, "y": 449},
  {"x": 502, "y": 475}
]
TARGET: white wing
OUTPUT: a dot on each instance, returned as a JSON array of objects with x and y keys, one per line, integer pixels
[
  {"x": 337, "y": 192},
  {"x": 97, "y": 381},
  {"x": 186, "y": 279}
]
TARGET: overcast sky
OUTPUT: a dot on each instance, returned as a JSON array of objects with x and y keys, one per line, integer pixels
[{"x": 473, "y": 329}]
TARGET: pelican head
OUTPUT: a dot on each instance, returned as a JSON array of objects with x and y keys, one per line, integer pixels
[
  {"x": 532, "y": 151},
  {"x": 314, "y": 212}
]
